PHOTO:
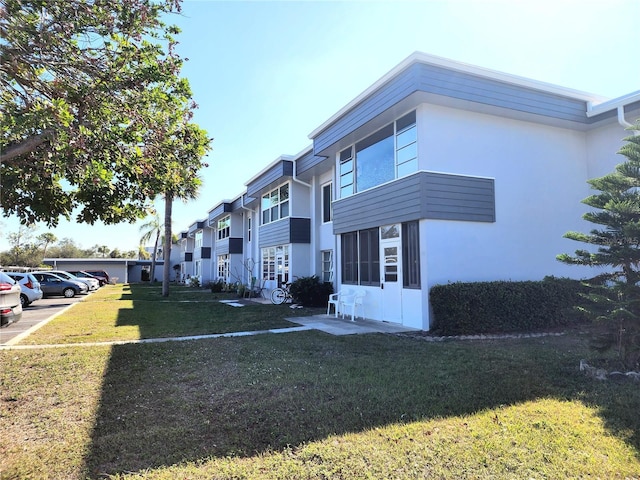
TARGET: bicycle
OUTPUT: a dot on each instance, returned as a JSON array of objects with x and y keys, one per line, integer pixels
[{"x": 281, "y": 294}]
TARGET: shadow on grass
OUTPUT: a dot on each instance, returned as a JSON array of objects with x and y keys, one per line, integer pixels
[{"x": 183, "y": 401}]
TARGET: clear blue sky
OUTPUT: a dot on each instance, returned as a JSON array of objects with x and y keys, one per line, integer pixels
[{"x": 267, "y": 73}]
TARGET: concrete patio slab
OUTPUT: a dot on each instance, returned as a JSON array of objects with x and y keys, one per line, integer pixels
[{"x": 339, "y": 326}]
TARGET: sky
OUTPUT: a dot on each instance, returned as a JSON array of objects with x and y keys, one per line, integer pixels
[{"x": 267, "y": 73}]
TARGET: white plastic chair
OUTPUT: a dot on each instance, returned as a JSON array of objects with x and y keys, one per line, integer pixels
[
  {"x": 353, "y": 302},
  {"x": 335, "y": 299}
]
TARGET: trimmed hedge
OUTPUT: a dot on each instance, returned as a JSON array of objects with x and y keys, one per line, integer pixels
[{"x": 496, "y": 307}]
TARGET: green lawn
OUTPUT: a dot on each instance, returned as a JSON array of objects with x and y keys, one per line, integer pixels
[
  {"x": 309, "y": 405},
  {"x": 132, "y": 312}
]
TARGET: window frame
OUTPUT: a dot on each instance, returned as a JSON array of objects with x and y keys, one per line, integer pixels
[
  {"x": 327, "y": 202},
  {"x": 269, "y": 257},
  {"x": 272, "y": 204},
  {"x": 326, "y": 265},
  {"x": 222, "y": 265},
  {"x": 348, "y": 172},
  {"x": 411, "y": 255},
  {"x": 223, "y": 226},
  {"x": 360, "y": 257}
]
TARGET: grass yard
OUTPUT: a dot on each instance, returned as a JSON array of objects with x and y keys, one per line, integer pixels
[
  {"x": 309, "y": 405},
  {"x": 132, "y": 312}
]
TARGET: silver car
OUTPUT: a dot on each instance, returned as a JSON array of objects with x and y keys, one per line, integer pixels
[
  {"x": 92, "y": 283},
  {"x": 10, "y": 306},
  {"x": 29, "y": 285},
  {"x": 52, "y": 284}
]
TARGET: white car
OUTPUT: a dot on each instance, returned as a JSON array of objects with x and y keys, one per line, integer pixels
[
  {"x": 92, "y": 283},
  {"x": 10, "y": 306},
  {"x": 29, "y": 285}
]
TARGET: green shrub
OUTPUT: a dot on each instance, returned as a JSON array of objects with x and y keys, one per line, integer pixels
[
  {"x": 310, "y": 291},
  {"x": 491, "y": 307},
  {"x": 216, "y": 287}
]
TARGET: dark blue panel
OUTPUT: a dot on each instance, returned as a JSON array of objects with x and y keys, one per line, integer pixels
[
  {"x": 300, "y": 230},
  {"x": 235, "y": 245}
]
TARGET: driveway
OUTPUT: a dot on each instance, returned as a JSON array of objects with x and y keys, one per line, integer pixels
[{"x": 36, "y": 313}]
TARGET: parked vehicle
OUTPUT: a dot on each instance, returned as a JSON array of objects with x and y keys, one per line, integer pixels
[
  {"x": 81, "y": 273},
  {"x": 52, "y": 284},
  {"x": 10, "y": 306},
  {"x": 29, "y": 285},
  {"x": 91, "y": 282},
  {"x": 100, "y": 275}
]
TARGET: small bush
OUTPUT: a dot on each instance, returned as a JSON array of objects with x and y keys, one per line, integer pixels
[
  {"x": 490, "y": 307},
  {"x": 216, "y": 287},
  {"x": 311, "y": 292},
  {"x": 194, "y": 282}
]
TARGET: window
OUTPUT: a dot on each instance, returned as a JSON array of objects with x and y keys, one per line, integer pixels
[
  {"x": 327, "y": 265},
  {"x": 346, "y": 172},
  {"x": 411, "y": 255},
  {"x": 224, "y": 225},
  {"x": 197, "y": 268},
  {"x": 275, "y": 204},
  {"x": 275, "y": 263},
  {"x": 369, "y": 260},
  {"x": 198, "y": 240},
  {"x": 223, "y": 267},
  {"x": 326, "y": 202},
  {"x": 389, "y": 153},
  {"x": 248, "y": 228},
  {"x": 406, "y": 145},
  {"x": 361, "y": 257},
  {"x": 374, "y": 159},
  {"x": 350, "y": 258}
]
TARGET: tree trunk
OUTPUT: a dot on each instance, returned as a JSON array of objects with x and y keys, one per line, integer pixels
[
  {"x": 154, "y": 257},
  {"x": 166, "y": 251}
]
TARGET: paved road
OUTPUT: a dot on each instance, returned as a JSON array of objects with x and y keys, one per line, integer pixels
[{"x": 37, "y": 312}]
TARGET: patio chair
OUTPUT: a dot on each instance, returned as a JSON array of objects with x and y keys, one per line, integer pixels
[
  {"x": 335, "y": 299},
  {"x": 353, "y": 302}
]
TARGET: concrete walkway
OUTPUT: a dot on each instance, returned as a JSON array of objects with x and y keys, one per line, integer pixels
[{"x": 324, "y": 323}]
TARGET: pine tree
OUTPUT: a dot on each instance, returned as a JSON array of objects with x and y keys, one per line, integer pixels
[{"x": 614, "y": 298}]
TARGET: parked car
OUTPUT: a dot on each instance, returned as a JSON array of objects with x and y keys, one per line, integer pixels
[
  {"x": 92, "y": 283},
  {"x": 81, "y": 273},
  {"x": 52, "y": 284},
  {"x": 29, "y": 285},
  {"x": 10, "y": 306},
  {"x": 100, "y": 275}
]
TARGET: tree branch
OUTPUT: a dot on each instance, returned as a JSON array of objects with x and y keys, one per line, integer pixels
[{"x": 26, "y": 146}]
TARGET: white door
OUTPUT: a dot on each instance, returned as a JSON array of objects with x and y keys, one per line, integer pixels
[{"x": 391, "y": 273}]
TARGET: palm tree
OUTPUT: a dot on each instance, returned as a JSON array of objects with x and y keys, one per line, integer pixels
[{"x": 152, "y": 229}]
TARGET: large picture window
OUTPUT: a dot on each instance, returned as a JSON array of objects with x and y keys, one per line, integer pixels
[
  {"x": 275, "y": 204},
  {"x": 389, "y": 153},
  {"x": 361, "y": 257}
]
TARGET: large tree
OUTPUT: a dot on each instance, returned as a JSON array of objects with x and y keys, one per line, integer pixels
[
  {"x": 90, "y": 102},
  {"x": 614, "y": 298}
]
